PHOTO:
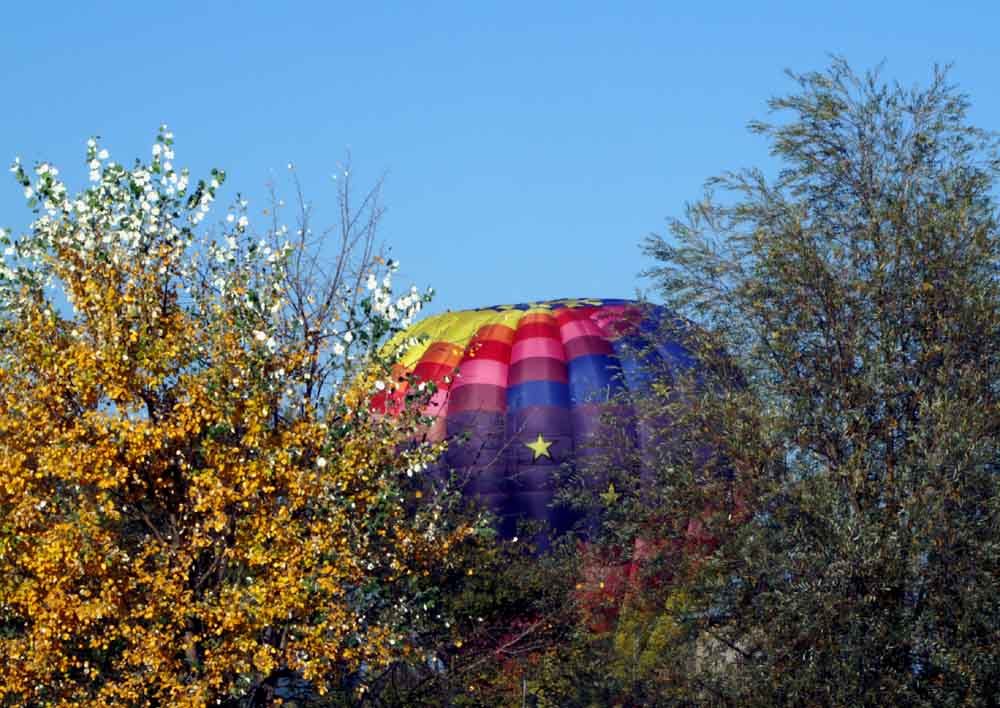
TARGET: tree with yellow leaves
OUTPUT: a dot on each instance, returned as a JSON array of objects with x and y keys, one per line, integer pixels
[{"x": 195, "y": 499}]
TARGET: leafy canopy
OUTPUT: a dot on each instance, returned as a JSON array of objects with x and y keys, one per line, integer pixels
[
  {"x": 857, "y": 293},
  {"x": 184, "y": 515}
]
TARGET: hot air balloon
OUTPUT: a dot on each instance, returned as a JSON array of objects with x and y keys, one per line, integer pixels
[{"x": 521, "y": 390}]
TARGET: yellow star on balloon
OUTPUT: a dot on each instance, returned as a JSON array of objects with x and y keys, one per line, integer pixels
[{"x": 540, "y": 447}]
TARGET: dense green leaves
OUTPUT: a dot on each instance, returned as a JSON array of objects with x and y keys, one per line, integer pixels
[{"x": 857, "y": 293}]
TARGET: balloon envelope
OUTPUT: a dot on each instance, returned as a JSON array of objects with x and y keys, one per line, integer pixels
[{"x": 522, "y": 388}]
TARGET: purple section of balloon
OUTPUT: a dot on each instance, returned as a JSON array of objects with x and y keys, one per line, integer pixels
[{"x": 512, "y": 447}]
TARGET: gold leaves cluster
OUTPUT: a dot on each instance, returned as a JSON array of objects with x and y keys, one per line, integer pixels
[{"x": 172, "y": 528}]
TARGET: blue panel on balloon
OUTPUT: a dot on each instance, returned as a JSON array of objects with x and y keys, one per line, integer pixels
[
  {"x": 538, "y": 393},
  {"x": 594, "y": 378},
  {"x": 670, "y": 349},
  {"x": 636, "y": 369}
]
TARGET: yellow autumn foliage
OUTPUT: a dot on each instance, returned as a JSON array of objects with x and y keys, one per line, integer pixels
[{"x": 176, "y": 521}]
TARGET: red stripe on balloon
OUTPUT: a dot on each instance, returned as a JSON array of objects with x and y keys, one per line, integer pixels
[
  {"x": 379, "y": 402},
  {"x": 535, "y": 328},
  {"x": 574, "y": 314},
  {"x": 430, "y": 371},
  {"x": 488, "y": 349}
]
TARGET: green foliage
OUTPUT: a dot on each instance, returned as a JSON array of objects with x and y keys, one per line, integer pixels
[{"x": 857, "y": 293}]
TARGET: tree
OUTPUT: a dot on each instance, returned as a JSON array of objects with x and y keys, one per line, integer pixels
[
  {"x": 857, "y": 293},
  {"x": 196, "y": 503}
]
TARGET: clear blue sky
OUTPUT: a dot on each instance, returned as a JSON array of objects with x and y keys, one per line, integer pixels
[{"x": 529, "y": 147}]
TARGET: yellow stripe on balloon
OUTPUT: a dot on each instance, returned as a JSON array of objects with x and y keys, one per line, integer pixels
[{"x": 453, "y": 327}]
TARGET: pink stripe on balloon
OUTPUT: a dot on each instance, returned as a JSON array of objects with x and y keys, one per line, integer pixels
[
  {"x": 438, "y": 405},
  {"x": 438, "y": 430},
  {"x": 487, "y": 371},
  {"x": 579, "y": 328},
  {"x": 537, "y": 346}
]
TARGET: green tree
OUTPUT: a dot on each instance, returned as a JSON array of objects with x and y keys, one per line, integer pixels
[{"x": 858, "y": 541}]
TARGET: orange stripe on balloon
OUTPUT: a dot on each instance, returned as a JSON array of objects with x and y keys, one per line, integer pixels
[
  {"x": 443, "y": 353},
  {"x": 495, "y": 332}
]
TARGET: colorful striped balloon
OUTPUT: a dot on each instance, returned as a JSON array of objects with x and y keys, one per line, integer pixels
[{"x": 522, "y": 388}]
